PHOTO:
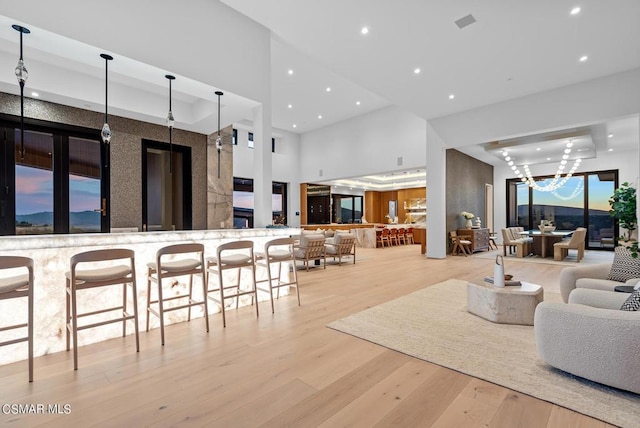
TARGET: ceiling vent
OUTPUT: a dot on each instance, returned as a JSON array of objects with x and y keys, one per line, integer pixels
[{"x": 465, "y": 20}]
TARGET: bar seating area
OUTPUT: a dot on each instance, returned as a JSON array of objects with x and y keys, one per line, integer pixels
[{"x": 102, "y": 282}]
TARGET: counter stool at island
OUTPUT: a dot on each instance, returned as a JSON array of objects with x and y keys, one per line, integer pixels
[
  {"x": 14, "y": 287},
  {"x": 236, "y": 255},
  {"x": 107, "y": 274},
  {"x": 278, "y": 251},
  {"x": 171, "y": 262}
]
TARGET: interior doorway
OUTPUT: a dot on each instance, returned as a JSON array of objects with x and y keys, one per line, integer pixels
[{"x": 166, "y": 187}]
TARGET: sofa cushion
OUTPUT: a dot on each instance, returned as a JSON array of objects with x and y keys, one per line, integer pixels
[
  {"x": 632, "y": 303},
  {"x": 624, "y": 266}
]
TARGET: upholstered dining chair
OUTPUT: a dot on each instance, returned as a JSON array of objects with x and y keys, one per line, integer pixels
[{"x": 561, "y": 249}]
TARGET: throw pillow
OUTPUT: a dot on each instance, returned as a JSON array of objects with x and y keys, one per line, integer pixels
[
  {"x": 632, "y": 303},
  {"x": 624, "y": 266}
]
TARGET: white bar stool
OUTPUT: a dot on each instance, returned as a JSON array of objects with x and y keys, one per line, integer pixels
[
  {"x": 83, "y": 279},
  {"x": 161, "y": 269},
  {"x": 278, "y": 251},
  {"x": 233, "y": 255},
  {"x": 15, "y": 287}
]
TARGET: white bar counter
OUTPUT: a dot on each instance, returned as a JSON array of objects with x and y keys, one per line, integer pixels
[{"x": 52, "y": 254}]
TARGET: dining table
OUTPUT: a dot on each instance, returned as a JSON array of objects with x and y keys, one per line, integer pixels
[{"x": 543, "y": 241}]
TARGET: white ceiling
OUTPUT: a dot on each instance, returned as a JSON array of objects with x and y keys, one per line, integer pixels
[{"x": 516, "y": 47}]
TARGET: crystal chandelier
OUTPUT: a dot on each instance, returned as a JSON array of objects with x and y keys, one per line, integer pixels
[{"x": 557, "y": 181}]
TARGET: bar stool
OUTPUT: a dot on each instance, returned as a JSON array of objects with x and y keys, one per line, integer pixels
[
  {"x": 172, "y": 268},
  {"x": 278, "y": 251},
  {"x": 14, "y": 287},
  {"x": 84, "y": 279},
  {"x": 408, "y": 236},
  {"x": 393, "y": 236},
  {"x": 401, "y": 237},
  {"x": 233, "y": 255}
]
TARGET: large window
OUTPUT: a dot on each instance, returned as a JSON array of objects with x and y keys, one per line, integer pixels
[
  {"x": 59, "y": 186},
  {"x": 347, "y": 208},
  {"x": 243, "y": 203},
  {"x": 581, "y": 202}
]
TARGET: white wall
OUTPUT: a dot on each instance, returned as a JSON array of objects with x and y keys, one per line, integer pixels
[
  {"x": 285, "y": 163},
  {"x": 367, "y": 144}
]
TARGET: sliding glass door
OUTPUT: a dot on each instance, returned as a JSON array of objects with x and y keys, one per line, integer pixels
[{"x": 581, "y": 202}]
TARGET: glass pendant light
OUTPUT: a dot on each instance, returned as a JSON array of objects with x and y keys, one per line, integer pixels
[
  {"x": 106, "y": 131},
  {"x": 22, "y": 75},
  {"x": 219, "y": 137},
  {"x": 170, "y": 122}
]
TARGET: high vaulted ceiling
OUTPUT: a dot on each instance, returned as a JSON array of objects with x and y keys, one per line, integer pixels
[{"x": 514, "y": 48}]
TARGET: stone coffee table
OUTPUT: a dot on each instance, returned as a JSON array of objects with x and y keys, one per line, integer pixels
[{"x": 508, "y": 305}]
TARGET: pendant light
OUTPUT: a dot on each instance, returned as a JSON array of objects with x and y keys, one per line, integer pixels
[
  {"x": 22, "y": 75},
  {"x": 170, "y": 122},
  {"x": 106, "y": 131},
  {"x": 219, "y": 138}
]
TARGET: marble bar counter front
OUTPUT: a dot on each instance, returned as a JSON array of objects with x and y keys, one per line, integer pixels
[{"x": 52, "y": 255}]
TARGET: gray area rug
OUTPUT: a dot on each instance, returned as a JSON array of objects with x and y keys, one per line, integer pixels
[{"x": 433, "y": 325}]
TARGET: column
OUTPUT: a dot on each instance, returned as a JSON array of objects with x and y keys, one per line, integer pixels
[
  {"x": 436, "y": 196},
  {"x": 262, "y": 181}
]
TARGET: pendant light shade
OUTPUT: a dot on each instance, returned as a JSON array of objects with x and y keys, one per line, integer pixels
[
  {"x": 219, "y": 137},
  {"x": 170, "y": 122},
  {"x": 22, "y": 75},
  {"x": 106, "y": 130}
]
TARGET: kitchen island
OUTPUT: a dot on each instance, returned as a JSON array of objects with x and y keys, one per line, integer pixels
[{"x": 52, "y": 254}]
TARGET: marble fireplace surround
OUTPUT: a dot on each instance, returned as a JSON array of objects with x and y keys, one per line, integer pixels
[{"x": 52, "y": 254}]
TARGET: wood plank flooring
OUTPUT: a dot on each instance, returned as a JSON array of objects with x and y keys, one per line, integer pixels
[{"x": 284, "y": 369}]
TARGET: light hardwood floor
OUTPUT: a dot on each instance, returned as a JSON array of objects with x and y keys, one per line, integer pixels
[{"x": 285, "y": 369}]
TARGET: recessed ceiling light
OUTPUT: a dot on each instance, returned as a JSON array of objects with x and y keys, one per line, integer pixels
[
  {"x": 610, "y": 135},
  {"x": 365, "y": 30},
  {"x": 575, "y": 10},
  {"x": 451, "y": 96},
  {"x": 35, "y": 94},
  {"x": 319, "y": 116},
  {"x": 538, "y": 149},
  {"x": 610, "y": 150},
  {"x": 417, "y": 71},
  {"x": 548, "y": 158},
  {"x": 328, "y": 89},
  {"x": 583, "y": 58},
  {"x": 357, "y": 103},
  {"x": 290, "y": 106},
  {"x": 295, "y": 126},
  {"x": 290, "y": 72}
]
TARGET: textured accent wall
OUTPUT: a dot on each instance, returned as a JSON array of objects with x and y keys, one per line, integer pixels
[
  {"x": 220, "y": 190},
  {"x": 466, "y": 177},
  {"x": 126, "y": 155}
]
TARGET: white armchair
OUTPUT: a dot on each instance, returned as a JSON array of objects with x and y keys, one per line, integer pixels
[
  {"x": 591, "y": 337},
  {"x": 590, "y": 276}
]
